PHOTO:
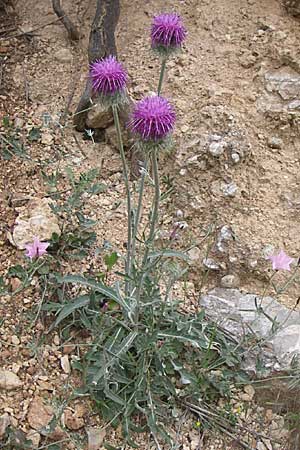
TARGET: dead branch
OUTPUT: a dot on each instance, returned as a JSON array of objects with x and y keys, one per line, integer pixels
[
  {"x": 70, "y": 27},
  {"x": 101, "y": 44}
]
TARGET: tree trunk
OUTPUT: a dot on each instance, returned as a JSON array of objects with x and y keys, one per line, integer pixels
[
  {"x": 101, "y": 44},
  {"x": 292, "y": 6}
]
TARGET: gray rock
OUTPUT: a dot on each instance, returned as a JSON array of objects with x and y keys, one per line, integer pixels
[
  {"x": 9, "y": 380},
  {"x": 230, "y": 281},
  {"x": 264, "y": 319},
  {"x": 235, "y": 158},
  {"x": 275, "y": 142},
  {"x": 211, "y": 264},
  {"x": 293, "y": 105},
  {"x": 226, "y": 234},
  {"x": 99, "y": 116},
  {"x": 95, "y": 438},
  {"x": 282, "y": 91},
  {"x": 63, "y": 55},
  {"x": 18, "y": 123},
  {"x": 216, "y": 149},
  {"x": 284, "y": 81},
  {"x": 229, "y": 189},
  {"x": 194, "y": 254}
]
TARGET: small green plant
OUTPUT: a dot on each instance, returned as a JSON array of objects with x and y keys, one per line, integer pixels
[
  {"x": 77, "y": 229},
  {"x": 11, "y": 144}
]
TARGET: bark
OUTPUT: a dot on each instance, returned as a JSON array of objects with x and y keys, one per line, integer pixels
[
  {"x": 292, "y": 6},
  {"x": 101, "y": 44},
  {"x": 70, "y": 27}
]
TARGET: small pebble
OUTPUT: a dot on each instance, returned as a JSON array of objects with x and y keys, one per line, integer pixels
[
  {"x": 275, "y": 143},
  {"x": 15, "y": 340}
]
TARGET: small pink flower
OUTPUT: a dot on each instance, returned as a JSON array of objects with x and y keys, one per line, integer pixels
[
  {"x": 281, "y": 261},
  {"x": 36, "y": 249}
]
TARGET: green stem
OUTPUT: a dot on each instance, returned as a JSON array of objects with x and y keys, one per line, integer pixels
[
  {"x": 161, "y": 75},
  {"x": 154, "y": 217},
  {"x": 138, "y": 214},
  {"x": 128, "y": 196},
  {"x": 153, "y": 222}
]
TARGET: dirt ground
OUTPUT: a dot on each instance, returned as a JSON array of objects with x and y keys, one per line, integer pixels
[{"x": 235, "y": 163}]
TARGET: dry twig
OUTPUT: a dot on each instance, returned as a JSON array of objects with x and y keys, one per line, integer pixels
[{"x": 70, "y": 27}]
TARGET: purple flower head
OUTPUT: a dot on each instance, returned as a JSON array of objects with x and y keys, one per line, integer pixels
[
  {"x": 36, "y": 249},
  {"x": 281, "y": 261},
  {"x": 167, "y": 31},
  {"x": 153, "y": 118},
  {"x": 108, "y": 76}
]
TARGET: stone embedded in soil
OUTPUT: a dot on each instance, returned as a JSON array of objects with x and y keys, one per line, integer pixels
[
  {"x": 47, "y": 138},
  {"x": 194, "y": 254},
  {"x": 274, "y": 142},
  {"x": 65, "y": 364},
  {"x": 230, "y": 281},
  {"x": 211, "y": 264},
  {"x": 282, "y": 91},
  {"x": 18, "y": 123},
  {"x": 238, "y": 314},
  {"x": 216, "y": 149},
  {"x": 219, "y": 189},
  {"x": 226, "y": 234},
  {"x": 229, "y": 189},
  {"x": 9, "y": 380},
  {"x": 15, "y": 340},
  {"x": 276, "y": 331},
  {"x": 247, "y": 60},
  {"x": 39, "y": 414},
  {"x": 95, "y": 438},
  {"x": 99, "y": 116},
  {"x": 39, "y": 417},
  {"x": 63, "y": 55},
  {"x": 36, "y": 219},
  {"x": 112, "y": 138},
  {"x": 72, "y": 421}
]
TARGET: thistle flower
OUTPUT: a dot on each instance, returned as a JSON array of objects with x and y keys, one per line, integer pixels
[
  {"x": 108, "y": 76},
  {"x": 167, "y": 32},
  {"x": 36, "y": 249},
  {"x": 281, "y": 261},
  {"x": 153, "y": 118}
]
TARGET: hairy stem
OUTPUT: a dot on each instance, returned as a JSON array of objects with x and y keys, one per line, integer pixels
[
  {"x": 154, "y": 217},
  {"x": 128, "y": 196},
  {"x": 138, "y": 214},
  {"x": 161, "y": 75},
  {"x": 153, "y": 223}
]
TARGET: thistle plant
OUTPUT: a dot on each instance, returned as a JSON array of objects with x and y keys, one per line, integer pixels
[{"x": 147, "y": 358}]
